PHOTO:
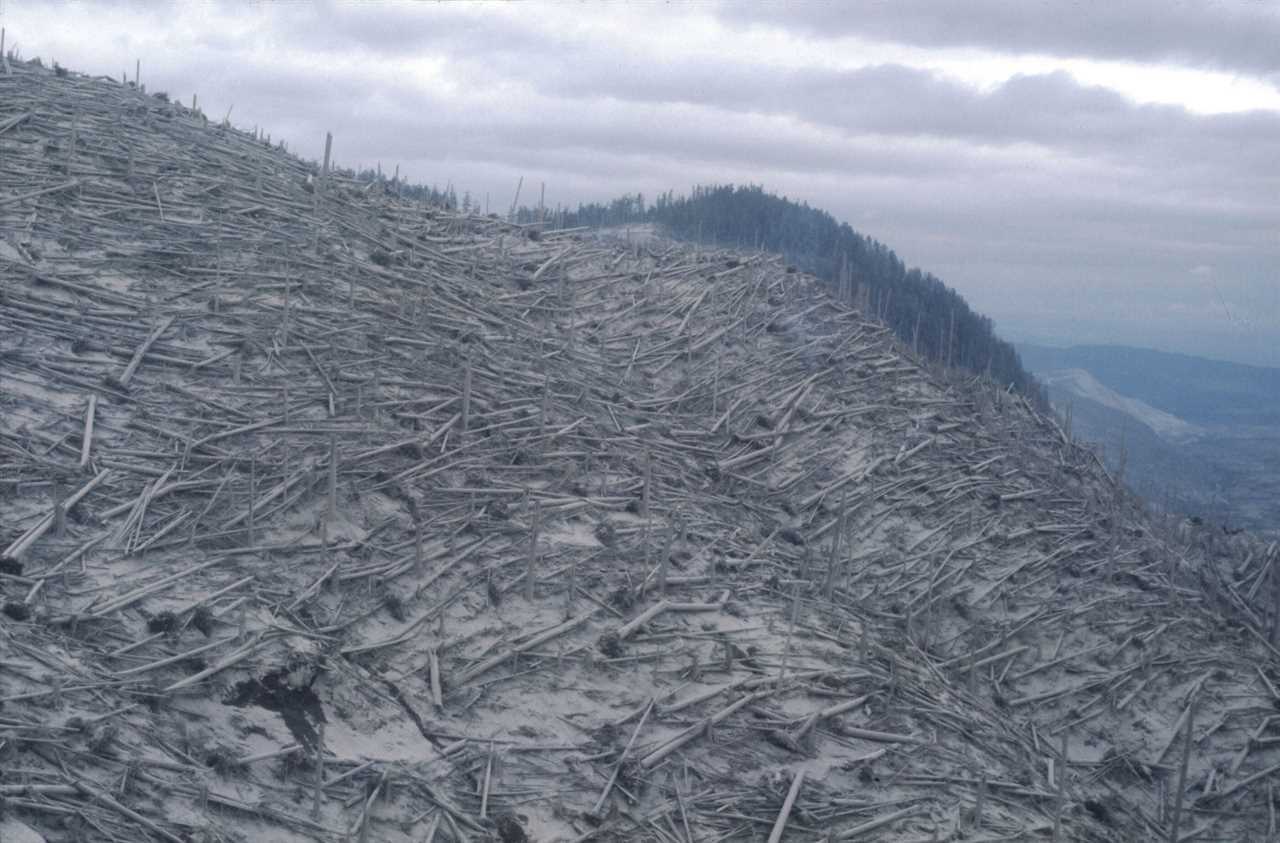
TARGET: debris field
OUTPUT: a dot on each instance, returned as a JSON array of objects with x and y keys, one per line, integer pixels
[{"x": 330, "y": 515}]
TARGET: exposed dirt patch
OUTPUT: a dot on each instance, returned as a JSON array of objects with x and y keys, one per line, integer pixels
[{"x": 289, "y": 693}]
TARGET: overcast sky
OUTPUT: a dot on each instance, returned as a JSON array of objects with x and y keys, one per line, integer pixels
[{"x": 1079, "y": 171}]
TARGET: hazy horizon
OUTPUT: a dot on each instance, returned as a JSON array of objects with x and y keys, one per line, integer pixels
[
  {"x": 1211, "y": 347},
  {"x": 1079, "y": 178}
]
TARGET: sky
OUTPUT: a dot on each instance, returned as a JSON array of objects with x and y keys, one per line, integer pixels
[{"x": 1081, "y": 172}]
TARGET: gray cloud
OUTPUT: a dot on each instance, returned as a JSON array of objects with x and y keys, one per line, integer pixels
[
  {"x": 1235, "y": 35},
  {"x": 1049, "y": 109}
]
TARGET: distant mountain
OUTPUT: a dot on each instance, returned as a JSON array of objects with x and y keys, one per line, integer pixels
[
  {"x": 1196, "y": 436},
  {"x": 1196, "y": 389}
]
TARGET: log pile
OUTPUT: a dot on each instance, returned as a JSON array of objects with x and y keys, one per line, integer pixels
[{"x": 330, "y": 516}]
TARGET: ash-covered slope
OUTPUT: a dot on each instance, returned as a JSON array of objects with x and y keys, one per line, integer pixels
[{"x": 331, "y": 517}]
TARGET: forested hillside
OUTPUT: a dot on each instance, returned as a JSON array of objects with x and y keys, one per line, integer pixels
[{"x": 927, "y": 315}]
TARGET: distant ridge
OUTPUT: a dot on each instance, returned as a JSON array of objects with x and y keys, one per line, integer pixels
[
  {"x": 1197, "y": 389},
  {"x": 1197, "y": 436}
]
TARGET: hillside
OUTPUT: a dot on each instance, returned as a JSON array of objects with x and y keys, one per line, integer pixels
[
  {"x": 927, "y": 316},
  {"x": 1199, "y": 436},
  {"x": 330, "y": 516}
]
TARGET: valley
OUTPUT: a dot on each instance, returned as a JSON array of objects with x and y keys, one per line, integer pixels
[{"x": 1199, "y": 437}]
